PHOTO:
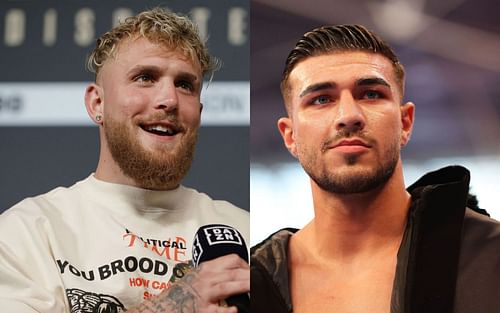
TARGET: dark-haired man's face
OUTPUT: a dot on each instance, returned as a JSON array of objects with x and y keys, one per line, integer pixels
[{"x": 346, "y": 123}]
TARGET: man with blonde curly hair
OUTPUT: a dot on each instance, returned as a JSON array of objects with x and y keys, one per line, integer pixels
[{"x": 121, "y": 239}]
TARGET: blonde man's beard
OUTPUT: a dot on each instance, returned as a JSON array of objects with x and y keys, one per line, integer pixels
[{"x": 156, "y": 170}]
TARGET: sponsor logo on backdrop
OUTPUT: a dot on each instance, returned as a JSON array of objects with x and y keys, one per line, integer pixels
[
  {"x": 45, "y": 45},
  {"x": 44, "y": 104},
  {"x": 11, "y": 104},
  {"x": 47, "y": 22}
]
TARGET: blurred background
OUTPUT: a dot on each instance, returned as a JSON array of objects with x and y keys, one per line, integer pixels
[
  {"x": 451, "y": 51},
  {"x": 46, "y": 137}
]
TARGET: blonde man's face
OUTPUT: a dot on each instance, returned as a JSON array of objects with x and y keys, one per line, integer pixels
[{"x": 151, "y": 111}]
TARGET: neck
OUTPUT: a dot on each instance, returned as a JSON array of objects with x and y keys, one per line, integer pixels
[
  {"x": 107, "y": 169},
  {"x": 348, "y": 226}
]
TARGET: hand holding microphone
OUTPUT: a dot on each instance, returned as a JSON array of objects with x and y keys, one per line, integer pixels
[
  {"x": 215, "y": 242},
  {"x": 221, "y": 273}
]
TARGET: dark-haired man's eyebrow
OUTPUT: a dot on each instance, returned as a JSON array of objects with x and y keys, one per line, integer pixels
[
  {"x": 371, "y": 81},
  {"x": 317, "y": 87}
]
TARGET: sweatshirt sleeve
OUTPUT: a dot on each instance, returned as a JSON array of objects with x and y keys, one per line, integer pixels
[{"x": 29, "y": 281}]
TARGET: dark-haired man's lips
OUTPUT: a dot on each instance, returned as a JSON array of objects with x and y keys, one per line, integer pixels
[{"x": 351, "y": 146}]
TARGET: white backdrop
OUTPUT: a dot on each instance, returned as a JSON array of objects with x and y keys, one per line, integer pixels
[{"x": 281, "y": 196}]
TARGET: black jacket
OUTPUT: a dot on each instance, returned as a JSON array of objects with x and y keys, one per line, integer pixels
[{"x": 448, "y": 261}]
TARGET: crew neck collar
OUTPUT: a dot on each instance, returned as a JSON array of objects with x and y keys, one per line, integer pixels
[{"x": 139, "y": 198}]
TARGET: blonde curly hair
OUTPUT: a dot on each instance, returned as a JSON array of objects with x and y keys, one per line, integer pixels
[{"x": 172, "y": 30}]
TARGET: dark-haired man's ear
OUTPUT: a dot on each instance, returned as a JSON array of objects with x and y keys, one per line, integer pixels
[
  {"x": 286, "y": 131},
  {"x": 407, "y": 118}
]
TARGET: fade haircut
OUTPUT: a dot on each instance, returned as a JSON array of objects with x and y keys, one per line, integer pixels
[
  {"x": 339, "y": 38},
  {"x": 174, "y": 31}
]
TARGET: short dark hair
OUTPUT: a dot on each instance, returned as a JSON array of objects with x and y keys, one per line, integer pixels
[{"x": 339, "y": 38}]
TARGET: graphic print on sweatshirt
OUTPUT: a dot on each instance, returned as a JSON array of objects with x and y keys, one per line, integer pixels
[
  {"x": 88, "y": 302},
  {"x": 151, "y": 272}
]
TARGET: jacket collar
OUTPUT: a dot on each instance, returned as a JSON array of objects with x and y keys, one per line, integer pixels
[
  {"x": 439, "y": 200},
  {"x": 429, "y": 264}
]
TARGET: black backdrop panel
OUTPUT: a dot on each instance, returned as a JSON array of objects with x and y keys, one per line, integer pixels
[
  {"x": 49, "y": 40},
  {"x": 34, "y": 160},
  {"x": 43, "y": 47}
]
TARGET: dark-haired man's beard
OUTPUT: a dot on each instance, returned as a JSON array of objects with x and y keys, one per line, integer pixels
[
  {"x": 156, "y": 170},
  {"x": 352, "y": 180}
]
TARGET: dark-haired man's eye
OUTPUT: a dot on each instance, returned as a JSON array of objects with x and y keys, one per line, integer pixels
[{"x": 321, "y": 100}]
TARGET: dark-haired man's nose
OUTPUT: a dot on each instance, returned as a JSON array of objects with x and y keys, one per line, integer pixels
[{"x": 350, "y": 117}]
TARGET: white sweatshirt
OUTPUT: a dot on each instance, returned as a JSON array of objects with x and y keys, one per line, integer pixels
[{"x": 101, "y": 245}]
